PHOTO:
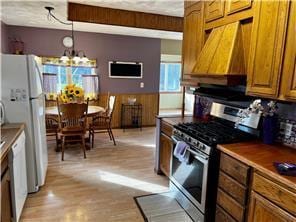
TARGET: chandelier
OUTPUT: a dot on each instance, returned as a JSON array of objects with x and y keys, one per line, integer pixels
[{"x": 78, "y": 56}]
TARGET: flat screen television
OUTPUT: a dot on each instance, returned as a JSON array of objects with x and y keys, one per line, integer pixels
[{"x": 132, "y": 70}]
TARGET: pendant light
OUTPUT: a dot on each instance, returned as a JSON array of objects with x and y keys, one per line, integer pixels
[{"x": 77, "y": 56}]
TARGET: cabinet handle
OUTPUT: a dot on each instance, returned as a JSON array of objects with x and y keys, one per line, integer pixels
[{"x": 14, "y": 145}]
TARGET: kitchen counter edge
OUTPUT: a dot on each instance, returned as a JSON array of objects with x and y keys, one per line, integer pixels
[
  {"x": 12, "y": 132},
  {"x": 261, "y": 157}
]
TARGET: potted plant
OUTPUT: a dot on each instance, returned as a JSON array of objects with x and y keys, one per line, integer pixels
[{"x": 270, "y": 117}]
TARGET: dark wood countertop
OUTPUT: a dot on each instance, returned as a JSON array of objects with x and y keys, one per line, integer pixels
[
  {"x": 174, "y": 120},
  {"x": 9, "y": 134},
  {"x": 261, "y": 157}
]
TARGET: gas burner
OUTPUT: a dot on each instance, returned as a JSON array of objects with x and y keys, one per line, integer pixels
[{"x": 213, "y": 132}]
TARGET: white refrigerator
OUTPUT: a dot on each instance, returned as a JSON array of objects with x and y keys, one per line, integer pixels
[{"x": 23, "y": 99}]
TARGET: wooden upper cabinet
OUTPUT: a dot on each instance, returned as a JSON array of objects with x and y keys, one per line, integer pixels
[
  {"x": 288, "y": 83},
  {"x": 214, "y": 9},
  {"x": 263, "y": 210},
  {"x": 267, "y": 47},
  {"x": 233, "y": 6},
  {"x": 193, "y": 36}
]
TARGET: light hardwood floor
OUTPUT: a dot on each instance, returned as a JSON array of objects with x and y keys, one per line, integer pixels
[{"x": 100, "y": 188}]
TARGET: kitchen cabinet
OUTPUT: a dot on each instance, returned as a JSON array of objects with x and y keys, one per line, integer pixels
[
  {"x": 165, "y": 153},
  {"x": 253, "y": 185},
  {"x": 214, "y": 10},
  {"x": 233, "y": 6},
  {"x": 193, "y": 37},
  {"x": 263, "y": 210},
  {"x": 266, "y": 48},
  {"x": 288, "y": 83},
  {"x": 233, "y": 188},
  {"x": 6, "y": 205}
]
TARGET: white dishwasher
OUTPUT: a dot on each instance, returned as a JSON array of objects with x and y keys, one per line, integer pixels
[{"x": 18, "y": 172}]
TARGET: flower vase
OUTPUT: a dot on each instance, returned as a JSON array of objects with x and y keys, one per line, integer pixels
[
  {"x": 198, "y": 111},
  {"x": 269, "y": 129}
]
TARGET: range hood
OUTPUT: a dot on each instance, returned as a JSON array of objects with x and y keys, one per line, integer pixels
[{"x": 221, "y": 61}]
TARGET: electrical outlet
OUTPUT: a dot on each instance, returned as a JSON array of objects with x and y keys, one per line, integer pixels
[
  {"x": 286, "y": 129},
  {"x": 141, "y": 85}
]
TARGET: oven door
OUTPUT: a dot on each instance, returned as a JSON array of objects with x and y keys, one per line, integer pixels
[{"x": 191, "y": 178}]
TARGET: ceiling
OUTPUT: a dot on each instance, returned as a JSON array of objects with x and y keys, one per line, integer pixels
[{"x": 32, "y": 13}]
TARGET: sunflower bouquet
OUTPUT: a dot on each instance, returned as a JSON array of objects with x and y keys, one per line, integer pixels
[{"x": 72, "y": 93}]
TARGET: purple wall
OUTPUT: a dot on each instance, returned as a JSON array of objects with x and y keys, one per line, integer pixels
[
  {"x": 4, "y": 38},
  {"x": 104, "y": 48}
]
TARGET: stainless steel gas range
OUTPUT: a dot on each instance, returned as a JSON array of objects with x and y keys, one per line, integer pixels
[{"x": 196, "y": 180}]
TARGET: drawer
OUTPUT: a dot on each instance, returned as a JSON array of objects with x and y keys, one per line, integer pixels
[
  {"x": 166, "y": 128},
  {"x": 222, "y": 215},
  {"x": 232, "y": 207},
  {"x": 235, "y": 169},
  {"x": 275, "y": 193},
  {"x": 233, "y": 188}
]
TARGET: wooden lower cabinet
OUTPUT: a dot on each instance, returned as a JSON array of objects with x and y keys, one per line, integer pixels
[
  {"x": 223, "y": 216},
  {"x": 263, "y": 210},
  {"x": 165, "y": 152},
  {"x": 6, "y": 210}
]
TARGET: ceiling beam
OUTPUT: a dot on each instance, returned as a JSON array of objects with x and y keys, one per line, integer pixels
[{"x": 109, "y": 16}]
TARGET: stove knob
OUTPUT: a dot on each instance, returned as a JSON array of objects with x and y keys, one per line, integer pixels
[
  {"x": 203, "y": 147},
  {"x": 182, "y": 135},
  {"x": 189, "y": 139}
]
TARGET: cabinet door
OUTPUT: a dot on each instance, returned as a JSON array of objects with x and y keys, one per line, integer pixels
[
  {"x": 166, "y": 146},
  {"x": 233, "y": 6},
  {"x": 214, "y": 9},
  {"x": 263, "y": 210},
  {"x": 267, "y": 46},
  {"x": 193, "y": 36},
  {"x": 288, "y": 83},
  {"x": 6, "y": 213}
]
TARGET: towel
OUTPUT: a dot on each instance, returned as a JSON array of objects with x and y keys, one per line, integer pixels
[{"x": 181, "y": 152}]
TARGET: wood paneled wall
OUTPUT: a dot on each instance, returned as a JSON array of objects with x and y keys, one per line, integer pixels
[
  {"x": 149, "y": 101},
  {"x": 109, "y": 16}
]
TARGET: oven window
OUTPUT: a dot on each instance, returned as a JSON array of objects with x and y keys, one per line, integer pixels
[{"x": 189, "y": 176}]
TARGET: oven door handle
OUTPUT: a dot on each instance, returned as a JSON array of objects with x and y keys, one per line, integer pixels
[{"x": 198, "y": 154}]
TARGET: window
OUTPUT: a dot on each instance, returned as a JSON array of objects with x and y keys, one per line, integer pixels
[
  {"x": 57, "y": 75},
  {"x": 170, "y": 74}
]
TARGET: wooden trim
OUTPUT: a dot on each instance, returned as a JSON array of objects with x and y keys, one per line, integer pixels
[{"x": 109, "y": 16}]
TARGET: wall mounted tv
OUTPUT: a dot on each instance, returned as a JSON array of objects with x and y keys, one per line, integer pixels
[{"x": 131, "y": 70}]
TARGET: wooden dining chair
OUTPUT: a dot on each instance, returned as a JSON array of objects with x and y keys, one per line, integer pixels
[
  {"x": 72, "y": 123},
  {"x": 52, "y": 127},
  {"x": 102, "y": 123}
]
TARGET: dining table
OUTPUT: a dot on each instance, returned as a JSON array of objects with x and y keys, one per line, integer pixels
[{"x": 91, "y": 111}]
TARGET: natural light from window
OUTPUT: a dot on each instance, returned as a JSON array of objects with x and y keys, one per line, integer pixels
[
  {"x": 170, "y": 74},
  {"x": 131, "y": 182}
]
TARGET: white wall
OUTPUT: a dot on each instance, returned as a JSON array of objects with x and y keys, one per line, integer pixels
[
  {"x": 171, "y": 47},
  {"x": 171, "y": 51},
  {"x": 170, "y": 101}
]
